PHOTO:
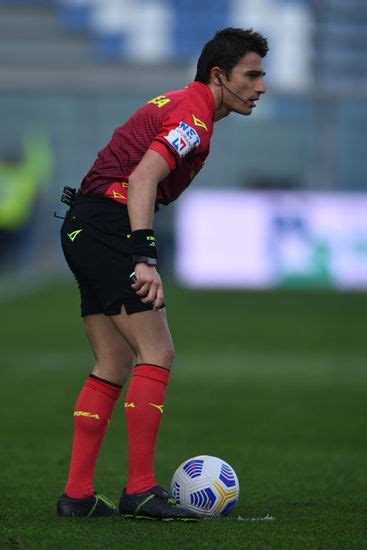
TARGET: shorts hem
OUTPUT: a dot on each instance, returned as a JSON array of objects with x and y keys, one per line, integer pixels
[{"x": 129, "y": 308}]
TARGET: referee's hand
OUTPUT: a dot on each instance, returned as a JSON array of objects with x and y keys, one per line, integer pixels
[{"x": 148, "y": 285}]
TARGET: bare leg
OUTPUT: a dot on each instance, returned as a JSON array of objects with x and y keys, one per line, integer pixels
[
  {"x": 114, "y": 356},
  {"x": 148, "y": 335}
]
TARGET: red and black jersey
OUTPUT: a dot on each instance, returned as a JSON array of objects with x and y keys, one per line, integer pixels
[{"x": 178, "y": 125}]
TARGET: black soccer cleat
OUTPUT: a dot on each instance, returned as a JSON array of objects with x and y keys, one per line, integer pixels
[
  {"x": 93, "y": 506},
  {"x": 156, "y": 504}
]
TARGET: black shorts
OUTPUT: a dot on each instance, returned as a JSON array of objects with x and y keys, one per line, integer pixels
[{"x": 96, "y": 248}]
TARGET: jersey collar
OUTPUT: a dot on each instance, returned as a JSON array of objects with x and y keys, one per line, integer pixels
[{"x": 205, "y": 92}]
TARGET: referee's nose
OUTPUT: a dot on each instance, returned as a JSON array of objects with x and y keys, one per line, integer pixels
[{"x": 260, "y": 86}]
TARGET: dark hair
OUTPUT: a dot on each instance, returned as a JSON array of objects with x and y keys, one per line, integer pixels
[{"x": 226, "y": 49}]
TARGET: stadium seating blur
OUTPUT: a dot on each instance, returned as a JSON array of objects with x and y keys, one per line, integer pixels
[
  {"x": 167, "y": 30},
  {"x": 173, "y": 30},
  {"x": 156, "y": 31},
  {"x": 162, "y": 30}
]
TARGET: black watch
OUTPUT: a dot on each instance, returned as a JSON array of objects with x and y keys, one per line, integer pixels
[{"x": 144, "y": 260}]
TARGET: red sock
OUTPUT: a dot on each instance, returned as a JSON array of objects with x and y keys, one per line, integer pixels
[
  {"x": 91, "y": 417},
  {"x": 143, "y": 409}
]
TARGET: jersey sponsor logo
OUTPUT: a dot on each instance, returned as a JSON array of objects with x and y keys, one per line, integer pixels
[
  {"x": 160, "y": 101},
  {"x": 87, "y": 414},
  {"x": 159, "y": 407},
  {"x": 183, "y": 138},
  {"x": 72, "y": 236},
  {"x": 199, "y": 122},
  {"x": 129, "y": 405}
]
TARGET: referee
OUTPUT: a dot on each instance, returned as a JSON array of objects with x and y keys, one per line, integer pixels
[{"x": 108, "y": 235}]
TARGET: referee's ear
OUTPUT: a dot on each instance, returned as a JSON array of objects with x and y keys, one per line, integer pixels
[{"x": 216, "y": 75}]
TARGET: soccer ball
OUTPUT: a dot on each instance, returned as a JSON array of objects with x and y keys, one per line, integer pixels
[{"x": 207, "y": 485}]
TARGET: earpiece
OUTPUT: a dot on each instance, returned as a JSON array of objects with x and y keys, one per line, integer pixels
[{"x": 217, "y": 76}]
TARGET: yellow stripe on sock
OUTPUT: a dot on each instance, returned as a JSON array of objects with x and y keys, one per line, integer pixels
[
  {"x": 159, "y": 407},
  {"x": 87, "y": 414}
]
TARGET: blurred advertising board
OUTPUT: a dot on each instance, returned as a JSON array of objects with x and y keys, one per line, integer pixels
[{"x": 272, "y": 239}]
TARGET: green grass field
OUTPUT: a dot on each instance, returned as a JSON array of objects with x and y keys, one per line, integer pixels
[{"x": 273, "y": 383}]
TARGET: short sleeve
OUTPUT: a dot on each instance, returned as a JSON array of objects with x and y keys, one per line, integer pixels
[
  {"x": 166, "y": 152},
  {"x": 181, "y": 133}
]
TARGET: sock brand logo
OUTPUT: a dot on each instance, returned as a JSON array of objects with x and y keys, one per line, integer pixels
[
  {"x": 159, "y": 407},
  {"x": 129, "y": 405},
  {"x": 87, "y": 414}
]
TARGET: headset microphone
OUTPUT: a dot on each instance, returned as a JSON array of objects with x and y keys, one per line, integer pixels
[{"x": 217, "y": 76}]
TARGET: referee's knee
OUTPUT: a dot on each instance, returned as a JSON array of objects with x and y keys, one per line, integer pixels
[
  {"x": 162, "y": 357},
  {"x": 169, "y": 356}
]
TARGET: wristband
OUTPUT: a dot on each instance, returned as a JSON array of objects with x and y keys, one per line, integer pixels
[
  {"x": 144, "y": 260},
  {"x": 142, "y": 243}
]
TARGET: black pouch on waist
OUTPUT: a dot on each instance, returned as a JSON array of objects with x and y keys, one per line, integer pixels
[{"x": 68, "y": 195}]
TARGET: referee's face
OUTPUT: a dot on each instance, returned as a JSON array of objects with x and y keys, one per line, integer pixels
[{"x": 246, "y": 80}]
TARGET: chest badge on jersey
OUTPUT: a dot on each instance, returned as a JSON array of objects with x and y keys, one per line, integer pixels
[
  {"x": 183, "y": 138},
  {"x": 199, "y": 122}
]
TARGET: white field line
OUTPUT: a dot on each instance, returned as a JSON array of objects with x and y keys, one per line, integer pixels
[{"x": 268, "y": 517}]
